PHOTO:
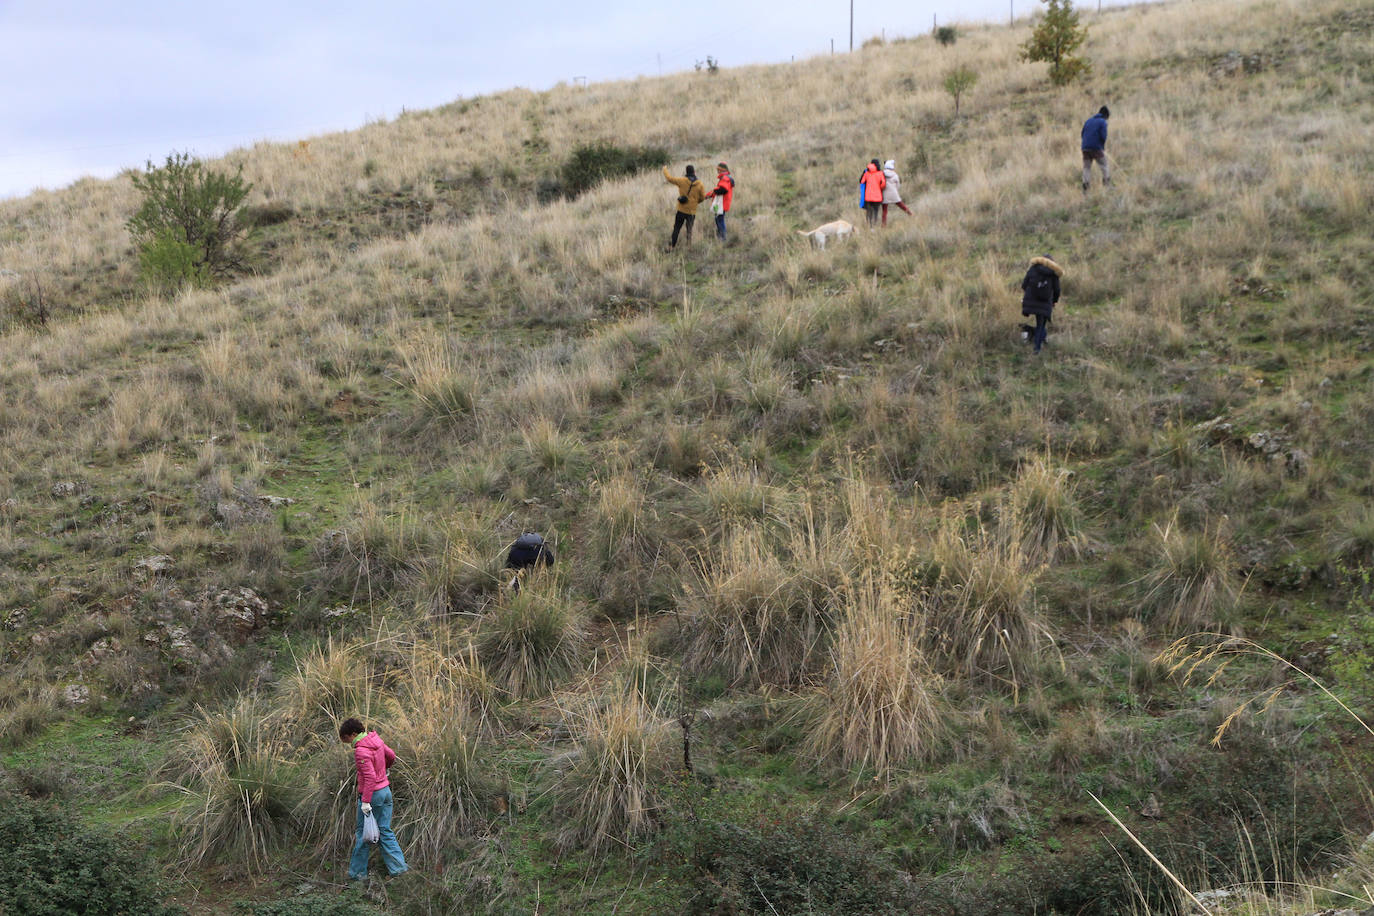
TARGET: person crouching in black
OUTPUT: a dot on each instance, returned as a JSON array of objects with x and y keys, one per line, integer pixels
[
  {"x": 529, "y": 550},
  {"x": 1041, "y": 292}
]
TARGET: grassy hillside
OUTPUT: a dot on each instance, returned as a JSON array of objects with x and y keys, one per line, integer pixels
[{"x": 907, "y": 595}]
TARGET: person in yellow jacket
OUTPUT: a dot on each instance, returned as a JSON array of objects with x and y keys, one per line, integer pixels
[{"x": 690, "y": 193}]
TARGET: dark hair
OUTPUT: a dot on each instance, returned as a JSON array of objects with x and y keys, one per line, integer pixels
[
  {"x": 876, "y": 162},
  {"x": 1104, "y": 112},
  {"x": 691, "y": 171},
  {"x": 351, "y": 727}
]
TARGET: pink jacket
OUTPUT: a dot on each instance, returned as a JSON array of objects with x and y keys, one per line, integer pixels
[{"x": 373, "y": 757}]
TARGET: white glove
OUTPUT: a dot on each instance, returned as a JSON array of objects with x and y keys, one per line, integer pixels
[{"x": 367, "y": 809}]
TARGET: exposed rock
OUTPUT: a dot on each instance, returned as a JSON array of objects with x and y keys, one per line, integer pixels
[
  {"x": 339, "y": 612},
  {"x": 239, "y": 611},
  {"x": 103, "y": 648},
  {"x": 275, "y": 502},
  {"x": 76, "y": 695},
  {"x": 1299, "y": 461},
  {"x": 180, "y": 644},
  {"x": 229, "y": 512},
  {"x": 16, "y": 618},
  {"x": 153, "y": 566},
  {"x": 9, "y": 506},
  {"x": 63, "y": 488}
]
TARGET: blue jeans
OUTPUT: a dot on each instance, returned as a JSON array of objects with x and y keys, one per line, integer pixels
[
  {"x": 1042, "y": 327},
  {"x": 720, "y": 226},
  {"x": 391, "y": 850}
]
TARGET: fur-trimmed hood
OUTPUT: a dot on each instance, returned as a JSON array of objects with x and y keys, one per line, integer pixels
[{"x": 1048, "y": 265}]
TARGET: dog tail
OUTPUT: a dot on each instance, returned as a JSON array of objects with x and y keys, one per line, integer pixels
[{"x": 799, "y": 232}]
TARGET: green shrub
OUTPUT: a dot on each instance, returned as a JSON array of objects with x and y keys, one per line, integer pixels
[
  {"x": 740, "y": 861},
  {"x": 310, "y": 905},
  {"x": 946, "y": 35},
  {"x": 55, "y": 866},
  {"x": 592, "y": 164},
  {"x": 185, "y": 229},
  {"x": 1053, "y": 41}
]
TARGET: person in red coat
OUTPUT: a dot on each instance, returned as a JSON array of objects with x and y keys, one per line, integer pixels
[
  {"x": 873, "y": 183},
  {"x": 722, "y": 196},
  {"x": 372, "y": 758}
]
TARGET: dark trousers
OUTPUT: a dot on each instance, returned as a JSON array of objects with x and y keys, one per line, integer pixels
[
  {"x": 720, "y": 226},
  {"x": 682, "y": 219},
  {"x": 1042, "y": 329},
  {"x": 871, "y": 210}
]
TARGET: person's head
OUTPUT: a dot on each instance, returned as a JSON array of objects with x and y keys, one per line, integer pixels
[
  {"x": 890, "y": 164},
  {"x": 1047, "y": 257},
  {"x": 876, "y": 165},
  {"x": 691, "y": 171},
  {"x": 350, "y": 729},
  {"x": 722, "y": 167},
  {"x": 1104, "y": 113}
]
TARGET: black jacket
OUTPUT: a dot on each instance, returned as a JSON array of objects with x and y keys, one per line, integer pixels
[{"x": 1041, "y": 287}]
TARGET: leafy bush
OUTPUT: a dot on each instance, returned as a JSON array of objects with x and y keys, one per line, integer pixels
[
  {"x": 592, "y": 164},
  {"x": 310, "y": 905},
  {"x": 958, "y": 81},
  {"x": 1054, "y": 40},
  {"x": 185, "y": 229},
  {"x": 55, "y": 866},
  {"x": 946, "y": 35},
  {"x": 739, "y": 861}
]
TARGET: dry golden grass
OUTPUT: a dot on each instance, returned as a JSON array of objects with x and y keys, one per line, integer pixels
[
  {"x": 880, "y": 705},
  {"x": 1193, "y": 585},
  {"x": 611, "y": 792},
  {"x": 793, "y": 421},
  {"x": 981, "y": 618}
]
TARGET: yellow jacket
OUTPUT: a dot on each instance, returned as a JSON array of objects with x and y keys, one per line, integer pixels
[{"x": 690, "y": 188}]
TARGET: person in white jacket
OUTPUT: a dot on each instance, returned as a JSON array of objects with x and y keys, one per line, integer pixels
[{"x": 892, "y": 191}]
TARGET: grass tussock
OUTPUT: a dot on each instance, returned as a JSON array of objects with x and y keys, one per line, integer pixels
[
  {"x": 880, "y": 706},
  {"x": 611, "y": 792},
  {"x": 1193, "y": 584},
  {"x": 534, "y": 640},
  {"x": 1045, "y": 513},
  {"x": 240, "y": 793},
  {"x": 759, "y": 611},
  {"x": 982, "y": 620}
]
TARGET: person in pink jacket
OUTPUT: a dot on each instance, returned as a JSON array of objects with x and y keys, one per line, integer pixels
[
  {"x": 873, "y": 183},
  {"x": 372, "y": 758}
]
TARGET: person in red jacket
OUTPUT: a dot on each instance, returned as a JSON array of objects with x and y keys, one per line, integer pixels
[
  {"x": 873, "y": 183},
  {"x": 722, "y": 195},
  {"x": 372, "y": 758}
]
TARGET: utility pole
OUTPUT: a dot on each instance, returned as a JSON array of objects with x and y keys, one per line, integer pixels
[
  {"x": 851, "y": 26},
  {"x": 1011, "y": 12}
]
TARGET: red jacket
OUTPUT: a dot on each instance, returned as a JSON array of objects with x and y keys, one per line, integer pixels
[
  {"x": 372, "y": 757},
  {"x": 725, "y": 190},
  {"x": 874, "y": 182}
]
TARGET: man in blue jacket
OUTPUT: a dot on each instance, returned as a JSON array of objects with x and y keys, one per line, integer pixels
[{"x": 1095, "y": 147}]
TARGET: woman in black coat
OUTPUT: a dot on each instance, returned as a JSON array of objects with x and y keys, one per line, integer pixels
[{"x": 1041, "y": 292}]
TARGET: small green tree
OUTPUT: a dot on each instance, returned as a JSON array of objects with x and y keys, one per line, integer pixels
[
  {"x": 185, "y": 228},
  {"x": 946, "y": 35},
  {"x": 1055, "y": 37},
  {"x": 958, "y": 81}
]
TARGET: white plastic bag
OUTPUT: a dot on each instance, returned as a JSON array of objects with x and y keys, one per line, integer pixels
[{"x": 370, "y": 832}]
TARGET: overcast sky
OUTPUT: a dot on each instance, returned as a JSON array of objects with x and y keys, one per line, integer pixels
[{"x": 93, "y": 86}]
